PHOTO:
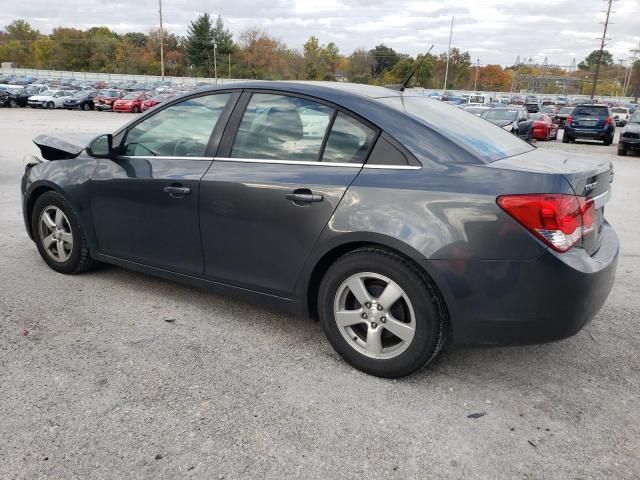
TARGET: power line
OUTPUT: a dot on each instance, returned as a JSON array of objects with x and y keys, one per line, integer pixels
[{"x": 604, "y": 37}]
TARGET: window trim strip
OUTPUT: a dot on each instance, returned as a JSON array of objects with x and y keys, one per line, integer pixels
[{"x": 318, "y": 164}]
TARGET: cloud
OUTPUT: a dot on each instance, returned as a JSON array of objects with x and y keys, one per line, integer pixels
[{"x": 494, "y": 31}]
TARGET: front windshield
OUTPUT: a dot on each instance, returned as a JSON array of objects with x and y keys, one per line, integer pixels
[
  {"x": 131, "y": 96},
  {"x": 500, "y": 114},
  {"x": 81, "y": 94},
  {"x": 619, "y": 110},
  {"x": 479, "y": 137}
]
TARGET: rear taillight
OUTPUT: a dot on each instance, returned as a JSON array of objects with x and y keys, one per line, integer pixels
[
  {"x": 558, "y": 220},
  {"x": 609, "y": 120},
  {"x": 568, "y": 120}
]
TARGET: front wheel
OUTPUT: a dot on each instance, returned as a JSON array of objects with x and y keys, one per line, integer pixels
[
  {"x": 51, "y": 105},
  {"x": 13, "y": 103},
  {"x": 136, "y": 109},
  {"x": 565, "y": 137},
  {"x": 58, "y": 234},
  {"x": 86, "y": 107},
  {"x": 381, "y": 313},
  {"x": 622, "y": 151}
]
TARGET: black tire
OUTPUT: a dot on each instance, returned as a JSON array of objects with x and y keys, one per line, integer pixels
[
  {"x": 565, "y": 138},
  {"x": 86, "y": 107},
  {"x": 80, "y": 259},
  {"x": 13, "y": 103},
  {"x": 430, "y": 317},
  {"x": 622, "y": 151},
  {"x": 51, "y": 105},
  {"x": 136, "y": 109},
  {"x": 608, "y": 141}
]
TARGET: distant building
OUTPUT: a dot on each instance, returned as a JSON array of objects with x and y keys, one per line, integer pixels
[{"x": 341, "y": 76}]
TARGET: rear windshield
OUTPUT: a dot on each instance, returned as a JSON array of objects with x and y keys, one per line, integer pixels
[
  {"x": 481, "y": 138},
  {"x": 500, "y": 114},
  {"x": 566, "y": 110},
  {"x": 591, "y": 111},
  {"x": 619, "y": 110}
]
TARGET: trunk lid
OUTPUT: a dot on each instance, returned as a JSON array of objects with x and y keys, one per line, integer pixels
[{"x": 589, "y": 177}]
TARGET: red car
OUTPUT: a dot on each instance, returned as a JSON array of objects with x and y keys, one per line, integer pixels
[
  {"x": 543, "y": 128},
  {"x": 155, "y": 100},
  {"x": 106, "y": 98},
  {"x": 131, "y": 102}
]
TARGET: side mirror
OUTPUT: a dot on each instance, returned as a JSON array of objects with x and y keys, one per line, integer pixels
[{"x": 101, "y": 147}]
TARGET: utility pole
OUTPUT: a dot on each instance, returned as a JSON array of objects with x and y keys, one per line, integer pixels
[
  {"x": 475, "y": 84},
  {"x": 516, "y": 69},
  {"x": 446, "y": 72},
  {"x": 604, "y": 38},
  {"x": 215, "y": 61},
  {"x": 229, "y": 64},
  {"x": 161, "y": 41},
  {"x": 627, "y": 81}
]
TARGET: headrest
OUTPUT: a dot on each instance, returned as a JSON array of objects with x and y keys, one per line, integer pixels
[{"x": 284, "y": 125}]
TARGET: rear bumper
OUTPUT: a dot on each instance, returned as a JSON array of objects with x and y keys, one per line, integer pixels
[
  {"x": 597, "y": 134},
  {"x": 525, "y": 302}
]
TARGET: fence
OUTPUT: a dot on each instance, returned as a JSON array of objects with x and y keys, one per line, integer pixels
[{"x": 124, "y": 77}]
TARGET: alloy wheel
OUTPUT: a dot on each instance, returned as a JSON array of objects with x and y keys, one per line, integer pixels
[
  {"x": 55, "y": 233},
  {"x": 374, "y": 315}
]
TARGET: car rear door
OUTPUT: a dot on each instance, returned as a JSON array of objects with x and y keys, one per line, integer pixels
[
  {"x": 144, "y": 203},
  {"x": 284, "y": 165}
]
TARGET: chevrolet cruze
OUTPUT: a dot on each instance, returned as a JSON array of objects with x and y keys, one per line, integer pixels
[{"x": 398, "y": 221}]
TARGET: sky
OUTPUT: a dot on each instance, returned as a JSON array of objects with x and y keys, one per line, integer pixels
[{"x": 493, "y": 31}]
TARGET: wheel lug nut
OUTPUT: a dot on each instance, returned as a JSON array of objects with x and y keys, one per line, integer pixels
[
  {"x": 364, "y": 315},
  {"x": 379, "y": 307},
  {"x": 368, "y": 305},
  {"x": 383, "y": 319},
  {"x": 374, "y": 324}
]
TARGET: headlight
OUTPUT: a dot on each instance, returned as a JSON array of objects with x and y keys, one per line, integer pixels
[{"x": 509, "y": 127}]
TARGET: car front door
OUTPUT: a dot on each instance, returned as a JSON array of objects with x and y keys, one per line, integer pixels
[
  {"x": 283, "y": 166},
  {"x": 145, "y": 201}
]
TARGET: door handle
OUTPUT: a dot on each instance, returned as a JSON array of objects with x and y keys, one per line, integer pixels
[
  {"x": 177, "y": 192},
  {"x": 303, "y": 196}
]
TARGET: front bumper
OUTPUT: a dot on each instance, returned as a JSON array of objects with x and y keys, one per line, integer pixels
[
  {"x": 123, "y": 108},
  {"x": 103, "y": 106},
  {"x": 525, "y": 302},
  {"x": 599, "y": 134},
  {"x": 35, "y": 103},
  {"x": 630, "y": 143}
]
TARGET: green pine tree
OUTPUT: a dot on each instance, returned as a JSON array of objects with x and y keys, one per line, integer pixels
[{"x": 199, "y": 43}]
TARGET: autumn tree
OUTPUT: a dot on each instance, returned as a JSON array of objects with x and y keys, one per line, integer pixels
[
  {"x": 385, "y": 59},
  {"x": 493, "y": 78}
]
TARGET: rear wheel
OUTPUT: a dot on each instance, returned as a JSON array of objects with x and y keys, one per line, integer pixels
[
  {"x": 608, "y": 141},
  {"x": 86, "y": 107},
  {"x": 13, "y": 103},
  {"x": 136, "y": 109},
  {"x": 380, "y": 313},
  {"x": 622, "y": 151},
  {"x": 58, "y": 234},
  {"x": 565, "y": 137}
]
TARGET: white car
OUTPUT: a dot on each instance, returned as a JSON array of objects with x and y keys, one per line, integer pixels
[
  {"x": 620, "y": 115},
  {"x": 49, "y": 99}
]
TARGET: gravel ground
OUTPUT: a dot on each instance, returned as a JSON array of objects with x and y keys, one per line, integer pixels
[{"x": 103, "y": 386}]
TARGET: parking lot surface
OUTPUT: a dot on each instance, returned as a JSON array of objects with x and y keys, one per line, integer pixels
[{"x": 115, "y": 374}]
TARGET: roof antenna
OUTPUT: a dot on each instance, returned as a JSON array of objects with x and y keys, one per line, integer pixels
[{"x": 402, "y": 86}]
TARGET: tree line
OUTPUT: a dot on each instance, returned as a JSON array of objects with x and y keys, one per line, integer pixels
[{"x": 209, "y": 48}]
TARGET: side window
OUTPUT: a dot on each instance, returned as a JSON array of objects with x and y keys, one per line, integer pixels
[
  {"x": 384, "y": 153},
  {"x": 279, "y": 127},
  {"x": 181, "y": 130},
  {"x": 348, "y": 142}
]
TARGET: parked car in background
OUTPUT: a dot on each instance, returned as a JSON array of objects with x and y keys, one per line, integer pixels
[
  {"x": 513, "y": 119},
  {"x": 484, "y": 238},
  {"x": 593, "y": 122},
  {"x": 562, "y": 115},
  {"x": 550, "y": 110},
  {"x": 630, "y": 136},
  {"x": 131, "y": 102},
  {"x": 49, "y": 99},
  {"x": 20, "y": 98},
  {"x": 543, "y": 127},
  {"x": 532, "y": 107},
  {"x": 106, "y": 98},
  {"x": 155, "y": 100},
  {"x": 82, "y": 100},
  {"x": 475, "y": 109},
  {"x": 620, "y": 115}
]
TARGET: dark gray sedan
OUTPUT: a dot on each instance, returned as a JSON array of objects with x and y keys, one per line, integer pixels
[{"x": 398, "y": 221}]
